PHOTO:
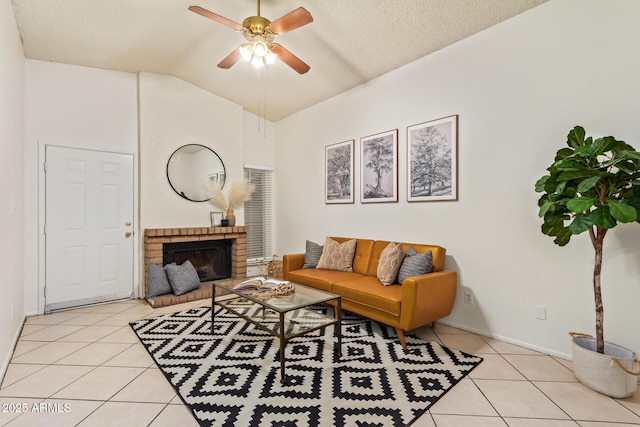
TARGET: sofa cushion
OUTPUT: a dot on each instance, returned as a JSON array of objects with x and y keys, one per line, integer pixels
[
  {"x": 363, "y": 253},
  {"x": 320, "y": 279},
  {"x": 368, "y": 291},
  {"x": 415, "y": 264},
  {"x": 376, "y": 251},
  {"x": 389, "y": 264},
  {"x": 158, "y": 281},
  {"x": 183, "y": 278},
  {"x": 337, "y": 256},
  {"x": 312, "y": 255}
]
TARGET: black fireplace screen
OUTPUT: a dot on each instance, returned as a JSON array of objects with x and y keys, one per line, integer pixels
[{"x": 211, "y": 258}]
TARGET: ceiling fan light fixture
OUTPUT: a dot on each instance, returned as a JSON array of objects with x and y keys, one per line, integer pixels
[
  {"x": 246, "y": 51},
  {"x": 270, "y": 57},
  {"x": 260, "y": 47},
  {"x": 257, "y": 61},
  {"x": 260, "y": 34}
]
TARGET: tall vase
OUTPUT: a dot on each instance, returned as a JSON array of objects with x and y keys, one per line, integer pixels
[{"x": 231, "y": 217}]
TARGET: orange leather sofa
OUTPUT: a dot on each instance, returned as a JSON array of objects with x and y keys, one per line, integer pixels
[{"x": 418, "y": 301}]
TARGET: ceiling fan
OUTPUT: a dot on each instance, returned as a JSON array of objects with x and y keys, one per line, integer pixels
[{"x": 260, "y": 34}]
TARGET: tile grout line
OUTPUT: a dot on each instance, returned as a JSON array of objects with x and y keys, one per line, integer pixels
[
  {"x": 529, "y": 380},
  {"x": 477, "y": 387}
]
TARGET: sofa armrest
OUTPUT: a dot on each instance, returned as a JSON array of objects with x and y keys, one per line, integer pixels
[
  {"x": 291, "y": 262},
  {"x": 427, "y": 298}
]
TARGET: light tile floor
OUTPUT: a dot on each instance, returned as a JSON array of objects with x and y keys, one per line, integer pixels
[{"x": 86, "y": 367}]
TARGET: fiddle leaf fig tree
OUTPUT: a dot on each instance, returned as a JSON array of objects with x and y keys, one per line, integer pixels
[{"x": 592, "y": 185}]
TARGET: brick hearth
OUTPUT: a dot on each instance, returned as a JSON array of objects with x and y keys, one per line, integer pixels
[{"x": 155, "y": 237}]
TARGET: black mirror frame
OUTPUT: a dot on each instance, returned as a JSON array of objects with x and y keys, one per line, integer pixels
[{"x": 181, "y": 194}]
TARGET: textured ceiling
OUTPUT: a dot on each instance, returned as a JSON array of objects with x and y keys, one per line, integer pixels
[{"x": 350, "y": 41}]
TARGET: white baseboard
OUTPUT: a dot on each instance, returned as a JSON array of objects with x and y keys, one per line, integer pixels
[
  {"x": 510, "y": 340},
  {"x": 7, "y": 359}
]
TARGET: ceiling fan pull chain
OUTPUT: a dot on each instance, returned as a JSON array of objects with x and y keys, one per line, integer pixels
[
  {"x": 264, "y": 98},
  {"x": 262, "y": 102}
]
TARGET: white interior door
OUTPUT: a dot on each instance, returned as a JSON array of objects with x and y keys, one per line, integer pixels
[{"x": 89, "y": 227}]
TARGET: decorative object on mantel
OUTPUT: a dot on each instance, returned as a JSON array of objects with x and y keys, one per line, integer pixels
[
  {"x": 231, "y": 218},
  {"x": 216, "y": 218},
  {"x": 594, "y": 184},
  {"x": 238, "y": 193}
]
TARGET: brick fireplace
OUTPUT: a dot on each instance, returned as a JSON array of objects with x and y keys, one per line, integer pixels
[{"x": 155, "y": 238}]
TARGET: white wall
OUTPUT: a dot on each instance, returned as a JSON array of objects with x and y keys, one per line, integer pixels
[
  {"x": 518, "y": 89},
  {"x": 174, "y": 113},
  {"x": 260, "y": 140},
  {"x": 11, "y": 183},
  {"x": 70, "y": 106}
]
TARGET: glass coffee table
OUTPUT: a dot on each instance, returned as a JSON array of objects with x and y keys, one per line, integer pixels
[{"x": 285, "y": 317}]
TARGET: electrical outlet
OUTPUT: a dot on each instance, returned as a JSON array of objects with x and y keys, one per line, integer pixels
[
  {"x": 541, "y": 312},
  {"x": 468, "y": 297}
]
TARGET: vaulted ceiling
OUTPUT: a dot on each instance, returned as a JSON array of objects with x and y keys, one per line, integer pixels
[{"x": 349, "y": 42}]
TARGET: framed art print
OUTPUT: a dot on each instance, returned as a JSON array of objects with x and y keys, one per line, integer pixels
[
  {"x": 432, "y": 160},
  {"x": 216, "y": 218},
  {"x": 379, "y": 167},
  {"x": 339, "y": 172}
]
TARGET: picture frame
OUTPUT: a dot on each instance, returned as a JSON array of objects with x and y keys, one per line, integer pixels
[
  {"x": 432, "y": 160},
  {"x": 379, "y": 167},
  {"x": 339, "y": 162},
  {"x": 216, "y": 218}
]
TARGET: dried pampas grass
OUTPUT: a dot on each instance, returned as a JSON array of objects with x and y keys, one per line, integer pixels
[
  {"x": 239, "y": 192},
  {"x": 217, "y": 198}
]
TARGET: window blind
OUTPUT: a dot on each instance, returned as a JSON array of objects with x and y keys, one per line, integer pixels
[{"x": 257, "y": 214}]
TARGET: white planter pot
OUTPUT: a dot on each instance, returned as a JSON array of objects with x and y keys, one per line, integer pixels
[{"x": 614, "y": 373}]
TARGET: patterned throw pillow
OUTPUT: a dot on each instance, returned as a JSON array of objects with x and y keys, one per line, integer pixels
[
  {"x": 389, "y": 264},
  {"x": 415, "y": 264},
  {"x": 312, "y": 255},
  {"x": 158, "y": 281},
  {"x": 337, "y": 256},
  {"x": 183, "y": 278}
]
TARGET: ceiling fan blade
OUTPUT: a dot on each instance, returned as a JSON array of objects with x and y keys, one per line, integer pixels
[
  {"x": 231, "y": 59},
  {"x": 290, "y": 59},
  {"x": 215, "y": 17},
  {"x": 292, "y": 20}
]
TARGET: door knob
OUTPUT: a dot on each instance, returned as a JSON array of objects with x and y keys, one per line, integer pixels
[
  {"x": 128, "y": 223},
  {"x": 127, "y": 234}
]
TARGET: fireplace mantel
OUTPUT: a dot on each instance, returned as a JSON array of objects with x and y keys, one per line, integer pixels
[{"x": 155, "y": 237}]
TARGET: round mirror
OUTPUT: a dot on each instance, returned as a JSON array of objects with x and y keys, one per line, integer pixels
[{"x": 192, "y": 169}]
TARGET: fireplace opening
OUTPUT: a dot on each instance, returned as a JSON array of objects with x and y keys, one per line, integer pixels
[{"x": 211, "y": 258}]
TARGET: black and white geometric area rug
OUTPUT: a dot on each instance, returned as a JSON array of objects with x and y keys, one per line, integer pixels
[{"x": 232, "y": 378}]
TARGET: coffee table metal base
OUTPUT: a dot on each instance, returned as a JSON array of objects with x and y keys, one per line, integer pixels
[{"x": 278, "y": 318}]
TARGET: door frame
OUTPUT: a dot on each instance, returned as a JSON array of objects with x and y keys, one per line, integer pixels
[{"x": 42, "y": 145}]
